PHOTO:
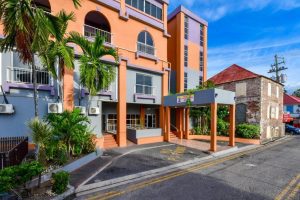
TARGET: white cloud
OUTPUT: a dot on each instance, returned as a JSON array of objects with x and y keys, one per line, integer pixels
[
  {"x": 213, "y": 10},
  {"x": 257, "y": 56}
]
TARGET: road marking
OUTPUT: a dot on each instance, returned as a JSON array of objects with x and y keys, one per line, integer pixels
[
  {"x": 294, "y": 192},
  {"x": 198, "y": 167},
  {"x": 288, "y": 188}
]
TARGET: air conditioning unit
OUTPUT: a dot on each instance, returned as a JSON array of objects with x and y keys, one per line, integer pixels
[
  {"x": 94, "y": 110},
  {"x": 82, "y": 109},
  {"x": 55, "y": 108},
  {"x": 6, "y": 109}
]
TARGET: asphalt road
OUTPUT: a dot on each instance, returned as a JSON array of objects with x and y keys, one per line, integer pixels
[{"x": 272, "y": 172}]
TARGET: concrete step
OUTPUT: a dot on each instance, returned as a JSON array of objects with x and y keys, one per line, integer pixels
[{"x": 109, "y": 142}]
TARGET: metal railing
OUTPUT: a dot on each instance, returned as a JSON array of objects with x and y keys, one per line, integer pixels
[
  {"x": 144, "y": 48},
  {"x": 91, "y": 32},
  {"x": 111, "y": 125},
  {"x": 12, "y": 150},
  {"x": 144, "y": 89},
  {"x": 25, "y": 75}
]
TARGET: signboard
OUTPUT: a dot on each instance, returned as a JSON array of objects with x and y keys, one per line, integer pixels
[
  {"x": 184, "y": 98},
  {"x": 287, "y": 118}
]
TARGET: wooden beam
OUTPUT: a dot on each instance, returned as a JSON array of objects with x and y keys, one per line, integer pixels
[{"x": 213, "y": 127}]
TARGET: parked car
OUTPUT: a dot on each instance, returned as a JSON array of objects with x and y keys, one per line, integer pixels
[{"x": 291, "y": 129}]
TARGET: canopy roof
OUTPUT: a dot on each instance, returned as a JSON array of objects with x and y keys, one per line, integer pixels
[{"x": 201, "y": 98}]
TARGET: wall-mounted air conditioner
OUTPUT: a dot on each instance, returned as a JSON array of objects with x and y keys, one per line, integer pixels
[
  {"x": 82, "y": 109},
  {"x": 55, "y": 108},
  {"x": 6, "y": 109},
  {"x": 94, "y": 110}
]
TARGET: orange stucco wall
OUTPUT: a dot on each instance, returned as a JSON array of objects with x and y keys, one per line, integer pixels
[{"x": 194, "y": 56}]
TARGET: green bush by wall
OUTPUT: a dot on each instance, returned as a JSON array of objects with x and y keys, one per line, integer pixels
[{"x": 248, "y": 131}]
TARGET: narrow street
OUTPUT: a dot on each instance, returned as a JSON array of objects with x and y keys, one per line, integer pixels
[{"x": 271, "y": 172}]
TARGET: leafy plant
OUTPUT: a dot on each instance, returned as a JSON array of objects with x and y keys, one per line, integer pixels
[
  {"x": 249, "y": 131},
  {"x": 71, "y": 128},
  {"x": 95, "y": 75},
  {"x": 222, "y": 127},
  {"x": 12, "y": 177},
  {"x": 60, "y": 182},
  {"x": 41, "y": 134}
]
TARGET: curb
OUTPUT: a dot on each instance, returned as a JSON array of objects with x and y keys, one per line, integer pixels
[
  {"x": 67, "y": 193},
  {"x": 69, "y": 168}
]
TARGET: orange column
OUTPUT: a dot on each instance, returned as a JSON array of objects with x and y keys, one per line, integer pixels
[
  {"x": 68, "y": 87},
  {"x": 142, "y": 116},
  {"x": 213, "y": 127},
  {"x": 167, "y": 124},
  {"x": 232, "y": 126},
  {"x": 187, "y": 123},
  {"x": 122, "y": 105},
  {"x": 179, "y": 122}
]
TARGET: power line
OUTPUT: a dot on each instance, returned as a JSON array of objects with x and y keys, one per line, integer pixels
[{"x": 277, "y": 67}]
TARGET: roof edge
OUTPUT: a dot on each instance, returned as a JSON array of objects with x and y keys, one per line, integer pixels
[{"x": 192, "y": 15}]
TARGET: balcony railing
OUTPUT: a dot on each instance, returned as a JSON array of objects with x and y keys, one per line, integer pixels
[
  {"x": 25, "y": 75},
  {"x": 144, "y": 89},
  {"x": 91, "y": 32},
  {"x": 144, "y": 48}
]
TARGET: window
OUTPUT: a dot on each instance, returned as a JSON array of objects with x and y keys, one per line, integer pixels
[
  {"x": 144, "y": 84},
  {"x": 133, "y": 121},
  {"x": 145, "y": 43},
  {"x": 150, "y": 121},
  {"x": 200, "y": 80},
  {"x": 201, "y": 61},
  {"x": 111, "y": 125},
  {"x": 186, "y": 27},
  {"x": 277, "y": 91},
  {"x": 185, "y": 81},
  {"x": 241, "y": 89},
  {"x": 201, "y": 34},
  {"x": 269, "y": 89},
  {"x": 146, "y": 7},
  {"x": 186, "y": 53}
]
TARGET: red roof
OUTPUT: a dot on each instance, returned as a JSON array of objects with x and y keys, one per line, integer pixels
[
  {"x": 233, "y": 73},
  {"x": 288, "y": 100}
]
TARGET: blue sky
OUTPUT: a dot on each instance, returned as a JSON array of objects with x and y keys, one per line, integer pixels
[{"x": 250, "y": 33}]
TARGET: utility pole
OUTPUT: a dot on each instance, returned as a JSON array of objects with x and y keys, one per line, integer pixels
[{"x": 277, "y": 67}]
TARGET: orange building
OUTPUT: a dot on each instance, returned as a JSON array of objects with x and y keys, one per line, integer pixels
[
  {"x": 155, "y": 50},
  {"x": 187, "y": 53}
]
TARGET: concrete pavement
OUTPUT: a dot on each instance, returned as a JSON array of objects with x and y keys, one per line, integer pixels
[{"x": 268, "y": 173}]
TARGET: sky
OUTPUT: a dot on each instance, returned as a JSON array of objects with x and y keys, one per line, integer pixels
[{"x": 250, "y": 33}]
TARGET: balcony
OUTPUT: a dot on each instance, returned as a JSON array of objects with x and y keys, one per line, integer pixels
[
  {"x": 25, "y": 75},
  {"x": 90, "y": 32},
  {"x": 145, "y": 49}
]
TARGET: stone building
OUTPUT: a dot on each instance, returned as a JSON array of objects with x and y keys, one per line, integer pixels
[{"x": 259, "y": 99}]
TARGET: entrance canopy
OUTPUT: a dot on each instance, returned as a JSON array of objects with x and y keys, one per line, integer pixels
[
  {"x": 201, "y": 98},
  {"x": 209, "y": 97}
]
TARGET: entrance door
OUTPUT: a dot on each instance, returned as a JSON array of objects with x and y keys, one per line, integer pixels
[
  {"x": 103, "y": 123},
  {"x": 150, "y": 121},
  {"x": 111, "y": 123}
]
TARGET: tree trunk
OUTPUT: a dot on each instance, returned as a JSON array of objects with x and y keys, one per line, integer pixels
[{"x": 35, "y": 92}]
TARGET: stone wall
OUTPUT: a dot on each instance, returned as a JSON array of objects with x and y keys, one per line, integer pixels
[
  {"x": 271, "y": 109},
  {"x": 254, "y": 105}
]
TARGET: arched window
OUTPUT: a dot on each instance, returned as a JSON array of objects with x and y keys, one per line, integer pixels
[
  {"x": 43, "y": 4},
  {"x": 145, "y": 43},
  {"x": 95, "y": 22}
]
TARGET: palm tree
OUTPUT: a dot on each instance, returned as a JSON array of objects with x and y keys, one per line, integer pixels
[
  {"x": 95, "y": 75},
  {"x": 58, "y": 54},
  {"x": 23, "y": 28}
]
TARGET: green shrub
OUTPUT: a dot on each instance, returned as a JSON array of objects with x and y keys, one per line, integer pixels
[
  {"x": 249, "y": 131},
  {"x": 60, "y": 182},
  {"x": 222, "y": 127},
  {"x": 12, "y": 177}
]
